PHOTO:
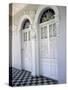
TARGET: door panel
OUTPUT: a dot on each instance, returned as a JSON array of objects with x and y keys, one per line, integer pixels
[
  {"x": 26, "y": 53},
  {"x": 48, "y": 51}
]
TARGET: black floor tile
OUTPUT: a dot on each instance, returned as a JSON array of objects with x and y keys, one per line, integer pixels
[{"x": 24, "y": 78}]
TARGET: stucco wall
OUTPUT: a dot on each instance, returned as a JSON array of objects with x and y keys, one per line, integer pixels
[
  {"x": 16, "y": 50},
  {"x": 61, "y": 45}
]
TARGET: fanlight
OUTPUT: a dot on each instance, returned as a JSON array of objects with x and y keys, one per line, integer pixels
[
  {"x": 47, "y": 15},
  {"x": 26, "y": 24}
]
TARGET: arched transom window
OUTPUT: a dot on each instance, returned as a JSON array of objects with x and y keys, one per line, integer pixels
[
  {"x": 26, "y": 24},
  {"x": 47, "y": 15}
]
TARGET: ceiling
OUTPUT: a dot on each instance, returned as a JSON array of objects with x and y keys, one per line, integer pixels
[{"x": 16, "y": 7}]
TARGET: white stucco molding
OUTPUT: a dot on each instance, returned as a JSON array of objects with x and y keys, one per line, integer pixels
[
  {"x": 22, "y": 21},
  {"x": 40, "y": 11}
]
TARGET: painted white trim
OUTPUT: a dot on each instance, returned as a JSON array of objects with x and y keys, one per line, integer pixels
[
  {"x": 42, "y": 8},
  {"x": 22, "y": 20},
  {"x": 19, "y": 28},
  {"x": 36, "y": 25},
  {"x": 33, "y": 66}
]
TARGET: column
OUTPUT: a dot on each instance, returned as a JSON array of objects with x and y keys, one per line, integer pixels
[
  {"x": 37, "y": 51},
  {"x": 33, "y": 36}
]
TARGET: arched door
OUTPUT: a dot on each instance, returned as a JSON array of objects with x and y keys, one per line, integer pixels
[
  {"x": 47, "y": 42},
  {"x": 26, "y": 46}
]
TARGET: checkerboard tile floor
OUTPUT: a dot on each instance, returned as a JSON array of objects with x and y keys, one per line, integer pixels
[{"x": 24, "y": 78}]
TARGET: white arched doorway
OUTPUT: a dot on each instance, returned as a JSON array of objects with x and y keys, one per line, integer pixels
[
  {"x": 26, "y": 46},
  {"x": 46, "y": 31}
]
